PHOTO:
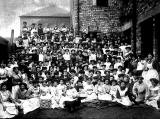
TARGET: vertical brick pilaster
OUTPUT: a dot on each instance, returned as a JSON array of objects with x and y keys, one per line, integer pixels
[{"x": 103, "y": 19}]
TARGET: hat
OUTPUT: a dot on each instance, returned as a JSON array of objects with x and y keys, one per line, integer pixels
[
  {"x": 121, "y": 75},
  {"x": 114, "y": 81},
  {"x": 86, "y": 64},
  {"x": 98, "y": 72},
  {"x": 24, "y": 22},
  {"x": 103, "y": 65},
  {"x": 107, "y": 50},
  {"x": 118, "y": 57},
  {"x": 81, "y": 72},
  {"x": 72, "y": 71},
  {"x": 116, "y": 46},
  {"x": 128, "y": 46},
  {"x": 140, "y": 78}
]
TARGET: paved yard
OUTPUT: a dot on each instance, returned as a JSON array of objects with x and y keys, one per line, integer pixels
[{"x": 94, "y": 113}]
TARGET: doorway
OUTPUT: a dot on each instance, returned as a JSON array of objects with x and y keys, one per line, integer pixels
[
  {"x": 157, "y": 34},
  {"x": 147, "y": 37}
]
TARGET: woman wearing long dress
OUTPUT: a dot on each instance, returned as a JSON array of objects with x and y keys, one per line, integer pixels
[
  {"x": 16, "y": 80},
  {"x": 154, "y": 93},
  {"x": 45, "y": 96},
  {"x": 140, "y": 90},
  {"x": 103, "y": 91},
  {"x": 152, "y": 70},
  {"x": 90, "y": 91},
  {"x": 122, "y": 96},
  {"x": 70, "y": 95},
  {"x": 7, "y": 109},
  {"x": 61, "y": 87},
  {"x": 34, "y": 91},
  {"x": 113, "y": 89},
  {"x": 45, "y": 91},
  {"x": 26, "y": 100},
  {"x": 55, "y": 95}
]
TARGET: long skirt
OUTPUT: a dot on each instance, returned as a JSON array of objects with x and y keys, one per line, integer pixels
[
  {"x": 30, "y": 105},
  {"x": 152, "y": 103},
  {"x": 10, "y": 111},
  {"x": 105, "y": 97},
  {"x": 90, "y": 97},
  {"x": 148, "y": 75},
  {"x": 55, "y": 102},
  {"x": 46, "y": 101},
  {"x": 14, "y": 91},
  {"x": 124, "y": 101},
  {"x": 63, "y": 99}
]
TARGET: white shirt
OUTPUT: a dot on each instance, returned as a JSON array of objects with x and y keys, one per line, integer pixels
[
  {"x": 32, "y": 31},
  {"x": 77, "y": 40},
  {"x": 140, "y": 65},
  {"x": 108, "y": 64},
  {"x": 25, "y": 43},
  {"x": 61, "y": 88},
  {"x": 67, "y": 56},
  {"x": 92, "y": 57},
  {"x": 116, "y": 65},
  {"x": 41, "y": 57},
  {"x": 75, "y": 79}
]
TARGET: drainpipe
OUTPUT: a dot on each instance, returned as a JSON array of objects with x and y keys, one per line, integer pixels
[
  {"x": 134, "y": 21},
  {"x": 78, "y": 18}
]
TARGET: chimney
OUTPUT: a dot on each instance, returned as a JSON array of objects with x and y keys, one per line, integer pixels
[{"x": 12, "y": 37}]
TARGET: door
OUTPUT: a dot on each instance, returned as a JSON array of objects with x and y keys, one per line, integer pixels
[
  {"x": 157, "y": 34},
  {"x": 147, "y": 37}
]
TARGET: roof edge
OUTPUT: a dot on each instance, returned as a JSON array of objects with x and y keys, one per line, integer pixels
[{"x": 48, "y": 16}]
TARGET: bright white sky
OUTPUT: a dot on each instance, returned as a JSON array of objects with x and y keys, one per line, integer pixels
[{"x": 10, "y": 10}]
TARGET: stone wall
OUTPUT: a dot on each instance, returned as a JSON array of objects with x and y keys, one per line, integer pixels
[{"x": 92, "y": 17}]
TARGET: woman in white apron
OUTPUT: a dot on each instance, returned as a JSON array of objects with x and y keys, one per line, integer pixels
[
  {"x": 154, "y": 93},
  {"x": 16, "y": 80},
  {"x": 90, "y": 91},
  {"x": 70, "y": 94},
  {"x": 140, "y": 90},
  {"x": 152, "y": 70},
  {"x": 55, "y": 95},
  {"x": 113, "y": 89},
  {"x": 151, "y": 73},
  {"x": 122, "y": 96},
  {"x": 7, "y": 109},
  {"x": 103, "y": 91}
]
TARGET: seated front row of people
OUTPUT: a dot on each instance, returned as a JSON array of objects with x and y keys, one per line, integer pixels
[{"x": 112, "y": 91}]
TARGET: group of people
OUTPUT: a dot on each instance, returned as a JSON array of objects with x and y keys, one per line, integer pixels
[{"x": 52, "y": 67}]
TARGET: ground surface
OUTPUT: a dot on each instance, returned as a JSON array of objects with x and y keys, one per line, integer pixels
[{"x": 95, "y": 113}]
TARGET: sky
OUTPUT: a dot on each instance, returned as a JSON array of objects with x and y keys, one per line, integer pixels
[{"x": 10, "y": 10}]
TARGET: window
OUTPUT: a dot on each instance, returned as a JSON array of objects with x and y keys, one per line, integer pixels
[{"x": 102, "y": 3}]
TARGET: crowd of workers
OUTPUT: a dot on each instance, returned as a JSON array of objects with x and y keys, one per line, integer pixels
[{"x": 52, "y": 67}]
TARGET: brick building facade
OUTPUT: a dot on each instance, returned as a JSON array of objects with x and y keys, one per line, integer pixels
[
  {"x": 148, "y": 22},
  {"x": 88, "y": 16},
  {"x": 148, "y": 27}
]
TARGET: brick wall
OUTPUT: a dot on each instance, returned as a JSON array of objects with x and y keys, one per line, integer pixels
[
  {"x": 104, "y": 19},
  {"x": 146, "y": 9}
]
